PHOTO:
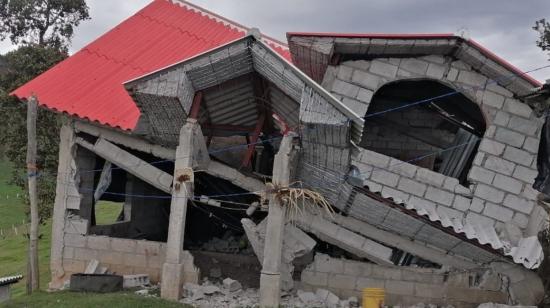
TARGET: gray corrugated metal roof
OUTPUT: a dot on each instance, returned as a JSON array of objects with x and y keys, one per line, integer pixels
[{"x": 528, "y": 252}]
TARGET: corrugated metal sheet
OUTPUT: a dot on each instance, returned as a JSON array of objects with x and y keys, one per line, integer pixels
[
  {"x": 89, "y": 83},
  {"x": 466, "y": 239},
  {"x": 10, "y": 280}
]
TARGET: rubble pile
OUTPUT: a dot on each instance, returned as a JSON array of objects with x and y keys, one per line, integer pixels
[{"x": 230, "y": 293}]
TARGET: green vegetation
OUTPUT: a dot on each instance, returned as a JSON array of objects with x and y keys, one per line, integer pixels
[
  {"x": 84, "y": 300},
  {"x": 107, "y": 212},
  {"x": 12, "y": 205}
]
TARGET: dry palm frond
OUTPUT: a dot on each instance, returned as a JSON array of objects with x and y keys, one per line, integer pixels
[{"x": 297, "y": 200}]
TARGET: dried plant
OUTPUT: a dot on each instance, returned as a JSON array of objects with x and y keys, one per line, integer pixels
[{"x": 297, "y": 200}]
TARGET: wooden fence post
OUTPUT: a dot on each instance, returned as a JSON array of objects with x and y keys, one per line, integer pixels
[{"x": 32, "y": 172}]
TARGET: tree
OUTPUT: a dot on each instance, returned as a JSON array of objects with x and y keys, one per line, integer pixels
[
  {"x": 543, "y": 28},
  {"x": 42, "y": 22}
]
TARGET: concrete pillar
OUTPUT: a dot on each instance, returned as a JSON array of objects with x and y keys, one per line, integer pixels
[
  {"x": 66, "y": 195},
  {"x": 182, "y": 190},
  {"x": 129, "y": 199},
  {"x": 85, "y": 161},
  {"x": 270, "y": 279}
]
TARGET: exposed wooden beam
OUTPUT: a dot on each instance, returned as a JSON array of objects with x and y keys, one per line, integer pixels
[
  {"x": 228, "y": 127},
  {"x": 196, "y": 106},
  {"x": 253, "y": 140}
]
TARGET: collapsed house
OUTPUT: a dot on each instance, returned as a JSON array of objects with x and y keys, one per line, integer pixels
[{"x": 197, "y": 125}]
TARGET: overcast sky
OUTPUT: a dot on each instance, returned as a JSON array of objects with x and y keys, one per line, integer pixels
[{"x": 503, "y": 26}]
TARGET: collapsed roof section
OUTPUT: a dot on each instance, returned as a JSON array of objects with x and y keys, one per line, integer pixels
[
  {"x": 236, "y": 88},
  {"x": 313, "y": 52},
  {"x": 89, "y": 83}
]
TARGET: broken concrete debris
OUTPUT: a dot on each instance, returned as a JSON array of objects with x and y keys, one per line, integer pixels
[{"x": 231, "y": 285}]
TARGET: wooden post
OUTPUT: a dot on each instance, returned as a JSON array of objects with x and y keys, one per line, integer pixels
[
  {"x": 33, "y": 280},
  {"x": 270, "y": 279}
]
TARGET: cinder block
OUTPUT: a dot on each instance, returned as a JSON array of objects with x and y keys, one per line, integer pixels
[
  {"x": 414, "y": 65},
  {"x": 76, "y": 226},
  {"x": 449, "y": 212},
  {"x": 356, "y": 106},
  {"x": 135, "y": 260},
  {"x": 345, "y": 282},
  {"x": 384, "y": 177},
  {"x": 439, "y": 196},
  {"x": 502, "y": 118},
  {"x": 110, "y": 257},
  {"x": 499, "y": 165},
  {"x": 365, "y": 96},
  {"x": 481, "y": 175},
  {"x": 383, "y": 69},
  {"x": 477, "y": 205},
  {"x": 75, "y": 240},
  {"x": 430, "y": 177},
  {"x": 326, "y": 264},
  {"x": 521, "y": 220},
  {"x": 148, "y": 247},
  {"x": 489, "y": 193},
  {"x": 514, "y": 106},
  {"x": 123, "y": 245},
  {"x": 493, "y": 99},
  {"x": 508, "y": 184},
  {"x": 345, "y": 88},
  {"x": 498, "y": 212},
  {"x": 366, "y": 80},
  {"x": 484, "y": 220},
  {"x": 314, "y": 278},
  {"x": 363, "y": 282},
  {"x": 399, "y": 287},
  {"x": 358, "y": 64},
  {"x": 436, "y": 71},
  {"x": 525, "y": 174},
  {"x": 531, "y": 144},
  {"x": 434, "y": 59},
  {"x": 518, "y": 204},
  {"x": 492, "y": 147},
  {"x": 397, "y": 195},
  {"x": 344, "y": 72},
  {"x": 471, "y": 78},
  {"x": 509, "y": 137},
  {"x": 518, "y": 156},
  {"x": 386, "y": 272},
  {"x": 68, "y": 253},
  {"x": 429, "y": 290},
  {"x": 99, "y": 242},
  {"x": 422, "y": 203},
  {"x": 523, "y": 125},
  {"x": 374, "y": 159},
  {"x": 452, "y": 74},
  {"x": 357, "y": 268},
  {"x": 85, "y": 254},
  {"x": 411, "y": 187},
  {"x": 461, "y": 203},
  {"x": 402, "y": 168}
]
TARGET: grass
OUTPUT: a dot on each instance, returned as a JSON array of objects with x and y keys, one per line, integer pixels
[
  {"x": 12, "y": 207},
  {"x": 107, "y": 212},
  {"x": 85, "y": 300}
]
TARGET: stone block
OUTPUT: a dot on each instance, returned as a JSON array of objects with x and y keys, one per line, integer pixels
[
  {"x": 383, "y": 69},
  {"x": 99, "y": 242},
  {"x": 339, "y": 281},
  {"x": 345, "y": 88},
  {"x": 498, "y": 212},
  {"x": 492, "y": 147},
  {"x": 411, "y": 187},
  {"x": 363, "y": 282},
  {"x": 518, "y": 204},
  {"x": 430, "y": 177},
  {"x": 471, "y": 78},
  {"x": 489, "y": 193},
  {"x": 314, "y": 278},
  {"x": 481, "y": 175},
  {"x": 414, "y": 65},
  {"x": 525, "y": 174},
  {"x": 499, "y": 165},
  {"x": 509, "y": 137},
  {"x": 439, "y": 196},
  {"x": 502, "y": 118},
  {"x": 514, "y": 106},
  {"x": 436, "y": 71},
  {"x": 123, "y": 245},
  {"x": 493, "y": 99},
  {"x": 399, "y": 287},
  {"x": 531, "y": 144},
  {"x": 508, "y": 184},
  {"x": 518, "y": 156},
  {"x": 523, "y": 125},
  {"x": 366, "y": 80},
  {"x": 461, "y": 203},
  {"x": 384, "y": 177},
  {"x": 75, "y": 240}
]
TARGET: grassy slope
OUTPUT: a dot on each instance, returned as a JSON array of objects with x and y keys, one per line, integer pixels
[
  {"x": 82, "y": 300},
  {"x": 12, "y": 209}
]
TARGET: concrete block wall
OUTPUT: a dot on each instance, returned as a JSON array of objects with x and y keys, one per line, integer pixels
[
  {"x": 504, "y": 167},
  {"x": 403, "y": 286},
  {"x": 122, "y": 256}
]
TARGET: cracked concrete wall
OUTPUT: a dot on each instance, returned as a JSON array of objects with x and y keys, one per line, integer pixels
[{"x": 505, "y": 165}]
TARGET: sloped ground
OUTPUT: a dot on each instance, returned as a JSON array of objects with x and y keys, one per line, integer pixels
[{"x": 12, "y": 207}]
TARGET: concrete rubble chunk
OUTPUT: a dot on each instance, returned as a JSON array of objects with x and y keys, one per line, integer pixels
[
  {"x": 231, "y": 285},
  {"x": 209, "y": 290},
  {"x": 92, "y": 267},
  {"x": 327, "y": 297},
  {"x": 134, "y": 281},
  {"x": 306, "y": 297}
]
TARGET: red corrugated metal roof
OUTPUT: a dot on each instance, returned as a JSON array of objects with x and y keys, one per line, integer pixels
[
  {"x": 89, "y": 83},
  {"x": 426, "y": 36}
]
